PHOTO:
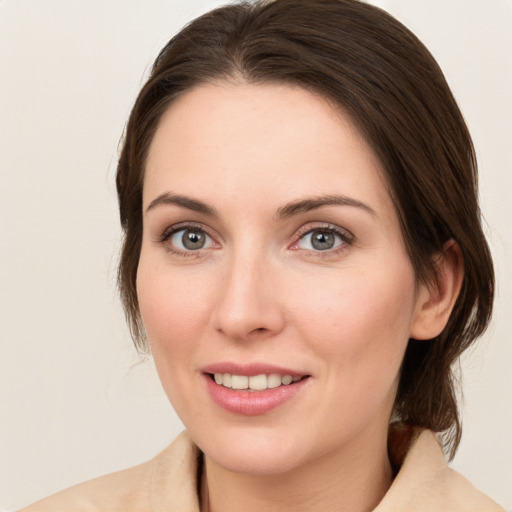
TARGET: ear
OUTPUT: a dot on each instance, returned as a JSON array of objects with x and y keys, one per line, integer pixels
[{"x": 435, "y": 300}]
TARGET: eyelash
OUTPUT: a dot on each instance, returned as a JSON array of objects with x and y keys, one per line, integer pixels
[
  {"x": 347, "y": 239},
  {"x": 172, "y": 230},
  {"x": 345, "y": 236}
]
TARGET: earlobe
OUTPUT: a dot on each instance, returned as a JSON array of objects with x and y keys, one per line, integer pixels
[{"x": 435, "y": 300}]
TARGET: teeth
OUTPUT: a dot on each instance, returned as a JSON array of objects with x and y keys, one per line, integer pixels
[
  {"x": 239, "y": 382},
  {"x": 255, "y": 382},
  {"x": 287, "y": 379},
  {"x": 258, "y": 382},
  {"x": 274, "y": 380}
]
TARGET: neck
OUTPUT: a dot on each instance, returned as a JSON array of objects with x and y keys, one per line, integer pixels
[{"x": 353, "y": 480}]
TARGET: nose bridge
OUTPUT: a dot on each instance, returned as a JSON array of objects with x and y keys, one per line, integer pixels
[{"x": 247, "y": 303}]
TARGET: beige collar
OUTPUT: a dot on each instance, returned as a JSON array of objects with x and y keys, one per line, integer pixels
[{"x": 424, "y": 482}]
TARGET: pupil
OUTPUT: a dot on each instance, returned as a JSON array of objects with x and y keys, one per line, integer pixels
[
  {"x": 322, "y": 240},
  {"x": 193, "y": 239}
]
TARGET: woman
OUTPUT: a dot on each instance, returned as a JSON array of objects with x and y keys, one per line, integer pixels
[{"x": 304, "y": 258}]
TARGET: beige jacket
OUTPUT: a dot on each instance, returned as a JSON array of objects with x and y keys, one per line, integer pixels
[{"x": 169, "y": 483}]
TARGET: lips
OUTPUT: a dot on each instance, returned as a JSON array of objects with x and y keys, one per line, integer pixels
[
  {"x": 252, "y": 389},
  {"x": 259, "y": 382}
]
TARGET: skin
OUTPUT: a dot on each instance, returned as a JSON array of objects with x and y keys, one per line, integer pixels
[{"x": 259, "y": 291}]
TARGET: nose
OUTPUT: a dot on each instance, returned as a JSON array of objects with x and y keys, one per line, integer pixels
[{"x": 249, "y": 305}]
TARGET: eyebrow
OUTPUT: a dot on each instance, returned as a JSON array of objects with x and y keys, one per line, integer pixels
[
  {"x": 183, "y": 201},
  {"x": 314, "y": 203},
  {"x": 286, "y": 211}
]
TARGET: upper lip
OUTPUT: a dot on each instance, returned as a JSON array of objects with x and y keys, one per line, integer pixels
[{"x": 250, "y": 369}]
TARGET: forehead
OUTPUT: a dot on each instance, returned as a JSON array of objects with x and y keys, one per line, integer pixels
[{"x": 260, "y": 140}]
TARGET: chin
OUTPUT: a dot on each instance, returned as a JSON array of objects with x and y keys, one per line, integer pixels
[{"x": 252, "y": 451}]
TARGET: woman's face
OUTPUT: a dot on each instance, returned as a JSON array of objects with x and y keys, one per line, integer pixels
[{"x": 272, "y": 252}]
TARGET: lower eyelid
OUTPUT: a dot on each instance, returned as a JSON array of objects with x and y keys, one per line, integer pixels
[
  {"x": 338, "y": 243},
  {"x": 164, "y": 239},
  {"x": 345, "y": 236}
]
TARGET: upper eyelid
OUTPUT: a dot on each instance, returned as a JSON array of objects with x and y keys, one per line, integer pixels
[
  {"x": 182, "y": 226},
  {"x": 300, "y": 232},
  {"x": 346, "y": 236},
  {"x": 309, "y": 227},
  {"x": 164, "y": 238}
]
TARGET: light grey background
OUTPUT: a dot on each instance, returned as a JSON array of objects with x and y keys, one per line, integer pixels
[{"x": 74, "y": 401}]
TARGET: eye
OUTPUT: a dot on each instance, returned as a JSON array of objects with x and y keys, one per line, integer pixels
[
  {"x": 322, "y": 239},
  {"x": 188, "y": 239}
]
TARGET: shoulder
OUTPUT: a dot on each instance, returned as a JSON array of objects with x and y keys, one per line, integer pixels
[
  {"x": 137, "y": 489},
  {"x": 425, "y": 482},
  {"x": 123, "y": 490}
]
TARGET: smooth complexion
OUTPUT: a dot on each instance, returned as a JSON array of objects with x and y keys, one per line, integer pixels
[{"x": 271, "y": 245}]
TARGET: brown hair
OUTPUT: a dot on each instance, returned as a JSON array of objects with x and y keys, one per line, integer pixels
[{"x": 366, "y": 62}]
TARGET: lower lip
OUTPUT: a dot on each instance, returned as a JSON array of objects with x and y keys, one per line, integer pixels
[{"x": 252, "y": 403}]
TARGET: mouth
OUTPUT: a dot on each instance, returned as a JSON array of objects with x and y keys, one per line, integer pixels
[
  {"x": 253, "y": 388},
  {"x": 255, "y": 383}
]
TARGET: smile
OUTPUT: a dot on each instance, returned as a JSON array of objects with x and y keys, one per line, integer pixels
[
  {"x": 253, "y": 389},
  {"x": 254, "y": 382}
]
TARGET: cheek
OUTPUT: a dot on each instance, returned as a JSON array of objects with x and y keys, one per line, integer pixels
[
  {"x": 361, "y": 319},
  {"x": 174, "y": 309},
  {"x": 175, "y": 314}
]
